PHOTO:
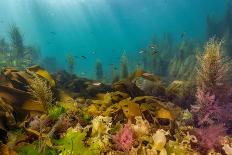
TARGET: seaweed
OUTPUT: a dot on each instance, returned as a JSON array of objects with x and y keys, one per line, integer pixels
[
  {"x": 70, "y": 59},
  {"x": 124, "y": 138},
  {"x": 73, "y": 144},
  {"x": 41, "y": 92},
  {"x": 124, "y": 66},
  {"x": 17, "y": 43},
  {"x": 140, "y": 114},
  {"x": 211, "y": 110},
  {"x": 99, "y": 70}
]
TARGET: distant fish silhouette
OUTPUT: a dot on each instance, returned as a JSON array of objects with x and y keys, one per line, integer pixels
[
  {"x": 52, "y": 32},
  {"x": 84, "y": 57},
  {"x": 147, "y": 74},
  {"x": 141, "y": 52},
  {"x": 97, "y": 83}
]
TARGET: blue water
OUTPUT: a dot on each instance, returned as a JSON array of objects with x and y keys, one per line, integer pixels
[{"x": 103, "y": 29}]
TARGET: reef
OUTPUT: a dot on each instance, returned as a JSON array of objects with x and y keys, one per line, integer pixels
[{"x": 141, "y": 114}]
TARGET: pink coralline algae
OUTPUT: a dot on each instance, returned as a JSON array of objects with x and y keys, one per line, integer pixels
[
  {"x": 209, "y": 137},
  {"x": 124, "y": 138}
]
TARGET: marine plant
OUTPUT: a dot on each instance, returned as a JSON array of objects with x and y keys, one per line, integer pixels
[
  {"x": 4, "y": 51},
  {"x": 182, "y": 61},
  {"x": 124, "y": 138},
  {"x": 17, "y": 43},
  {"x": 56, "y": 111},
  {"x": 212, "y": 108},
  {"x": 41, "y": 91},
  {"x": 210, "y": 137},
  {"x": 70, "y": 59},
  {"x": 124, "y": 66},
  {"x": 114, "y": 75},
  {"x": 221, "y": 28},
  {"x": 73, "y": 144},
  {"x": 16, "y": 53},
  {"x": 31, "y": 56},
  {"x": 99, "y": 70},
  {"x": 212, "y": 70}
]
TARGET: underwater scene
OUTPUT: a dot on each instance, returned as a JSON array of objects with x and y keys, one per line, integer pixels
[{"x": 115, "y": 77}]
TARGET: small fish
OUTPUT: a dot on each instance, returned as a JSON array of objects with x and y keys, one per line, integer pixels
[
  {"x": 97, "y": 83},
  {"x": 93, "y": 52},
  {"x": 147, "y": 74},
  {"x": 82, "y": 73},
  {"x": 111, "y": 64},
  {"x": 52, "y": 32},
  {"x": 141, "y": 52},
  {"x": 84, "y": 57},
  {"x": 152, "y": 47}
]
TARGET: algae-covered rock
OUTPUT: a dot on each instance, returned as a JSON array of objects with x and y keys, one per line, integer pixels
[
  {"x": 181, "y": 93},
  {"x": 79, "y": 87}
]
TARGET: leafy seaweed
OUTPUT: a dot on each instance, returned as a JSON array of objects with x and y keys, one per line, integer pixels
[
  {"x": 73, "y": 144},
  {"x": 31, "y": 149},
  {"x": 56, "y": 111}
]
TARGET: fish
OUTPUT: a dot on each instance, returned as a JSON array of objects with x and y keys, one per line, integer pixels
[
  {"x": 141, "y": 52},
  {"x": 147, "y": 74},
  {"x": 96, "y": 83},
  {"x": 84, "y": 57},
  {"x": 52, "y": 32}
]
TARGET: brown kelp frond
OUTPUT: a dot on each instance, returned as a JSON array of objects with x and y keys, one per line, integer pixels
[
  {"x": 41, "y": 91},
  {"x": 212, "y": 68}
]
